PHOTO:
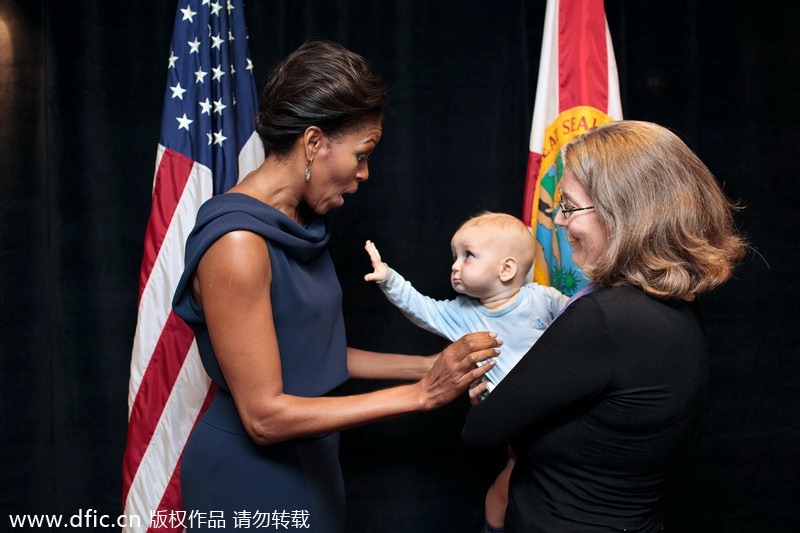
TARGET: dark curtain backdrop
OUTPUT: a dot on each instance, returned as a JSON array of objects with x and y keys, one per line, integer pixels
[{"x": 81, "y": 87}]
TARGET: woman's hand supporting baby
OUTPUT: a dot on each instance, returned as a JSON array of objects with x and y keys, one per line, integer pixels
[{"x": 456, "y": 368}]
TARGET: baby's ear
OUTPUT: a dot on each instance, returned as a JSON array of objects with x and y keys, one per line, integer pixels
[{"x": 508, "y": 269}]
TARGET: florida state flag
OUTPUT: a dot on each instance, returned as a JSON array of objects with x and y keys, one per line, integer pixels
[{"x": 577, "y": 89}]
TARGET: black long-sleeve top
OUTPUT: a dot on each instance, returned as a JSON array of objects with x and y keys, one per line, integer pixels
[{"x": 598, "y": 413}]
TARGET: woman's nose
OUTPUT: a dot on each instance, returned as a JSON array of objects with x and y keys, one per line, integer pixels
[
  {"x": 559, "y": 219},
  {"x": 363, "y": 173}
]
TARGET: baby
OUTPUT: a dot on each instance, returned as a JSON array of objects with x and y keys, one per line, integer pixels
[{"x": 492, "y": 255}]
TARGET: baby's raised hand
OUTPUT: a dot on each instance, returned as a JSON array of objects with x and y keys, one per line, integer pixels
[{"x": 378, "y": 267}]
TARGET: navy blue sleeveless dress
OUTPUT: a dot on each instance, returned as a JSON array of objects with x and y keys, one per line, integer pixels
[{"x": 224, "y": 475}]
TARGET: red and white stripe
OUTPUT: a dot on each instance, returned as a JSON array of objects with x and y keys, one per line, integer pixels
[
  {"x": 168, "y": 386},
  {"x": 576, "y": 68}
]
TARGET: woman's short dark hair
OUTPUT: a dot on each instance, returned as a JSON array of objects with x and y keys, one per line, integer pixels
[{"x": 320, "y": 84}]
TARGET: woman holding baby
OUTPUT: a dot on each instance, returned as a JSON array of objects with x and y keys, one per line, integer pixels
[{"x": 609, "y": 398}]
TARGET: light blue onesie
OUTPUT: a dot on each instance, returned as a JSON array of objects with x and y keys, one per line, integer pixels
[{"x": 519, "y": 325}]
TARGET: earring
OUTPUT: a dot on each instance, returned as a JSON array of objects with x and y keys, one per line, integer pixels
[{"x": 308, "y": 169}]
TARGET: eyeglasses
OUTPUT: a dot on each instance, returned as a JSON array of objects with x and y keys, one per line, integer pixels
[{"x": 567, "y": 208}]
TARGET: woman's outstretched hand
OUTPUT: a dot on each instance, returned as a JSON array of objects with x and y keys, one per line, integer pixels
[{"x": 455, "y": 369}]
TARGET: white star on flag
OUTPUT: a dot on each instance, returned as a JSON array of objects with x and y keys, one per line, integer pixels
[
  {"x": 177, "y": 91},
  {"x": 194, "y": 46},
  {"x": 215, "y": 7},
  {"x": 219, "y": 106},
  {"x": 217, "y": 41},
  {"x": 206, "y": 108},
  {"x": 218, "y": 73},
  {"x": 200, "y": 76},
  {"x": 219, "y": 138},
  {"x": 188, "y": 14},
  {"x": 172, "y": 59},
  {"x": 183, "y": 122}
]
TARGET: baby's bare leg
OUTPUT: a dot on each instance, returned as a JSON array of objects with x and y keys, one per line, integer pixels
[{"x": 497, "y": 497}]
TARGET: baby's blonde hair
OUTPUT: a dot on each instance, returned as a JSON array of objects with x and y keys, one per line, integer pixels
[{"x": 517, "y": 238}]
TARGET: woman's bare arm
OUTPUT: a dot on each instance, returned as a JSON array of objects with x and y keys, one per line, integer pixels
[
  {"x": 233, "y": 287},
  {"x": 363, "y": 364}
]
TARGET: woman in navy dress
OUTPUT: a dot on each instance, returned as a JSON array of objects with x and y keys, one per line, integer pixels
[{"x": 261, "y": 295}]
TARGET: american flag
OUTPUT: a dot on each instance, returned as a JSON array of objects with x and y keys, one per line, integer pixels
[{"x": 207, "y": 144}]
